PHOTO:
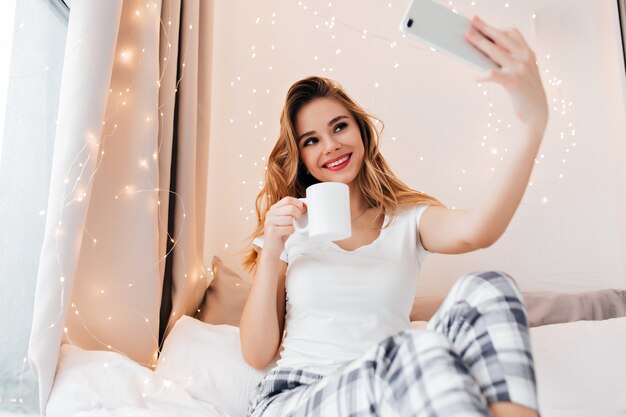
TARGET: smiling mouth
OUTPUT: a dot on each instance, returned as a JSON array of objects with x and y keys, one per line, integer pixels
[{"x": 339, "y": 163}]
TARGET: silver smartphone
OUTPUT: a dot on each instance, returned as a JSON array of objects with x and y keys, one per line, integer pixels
[{"x": 444, "y": 30}]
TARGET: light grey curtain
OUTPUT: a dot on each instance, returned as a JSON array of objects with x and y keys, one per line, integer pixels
[
  {"x": 31, "y": 75},
  {"x": 127, "y": 193}
]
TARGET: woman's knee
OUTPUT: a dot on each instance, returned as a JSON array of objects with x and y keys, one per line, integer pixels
[
  {"x": 498, "y": 280},
  {"x": 428, "y": 350}
]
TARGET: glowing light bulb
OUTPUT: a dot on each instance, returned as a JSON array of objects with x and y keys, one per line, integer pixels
[{"x": 126, "y": 55}]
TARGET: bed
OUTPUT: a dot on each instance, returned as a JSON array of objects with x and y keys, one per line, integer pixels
[
  {"x": 581, "y": 371},
  {"x": 578, "y": 341}
]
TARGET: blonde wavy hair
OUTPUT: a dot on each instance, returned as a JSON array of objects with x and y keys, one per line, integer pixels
[{"x": 286, "y": 174}]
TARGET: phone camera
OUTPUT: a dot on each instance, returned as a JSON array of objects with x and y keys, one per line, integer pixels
[{"x": 409, "y": 23}]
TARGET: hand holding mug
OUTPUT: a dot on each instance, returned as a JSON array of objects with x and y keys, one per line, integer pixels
[
  {"x": 279, "y": 222},
  {"x": 324, "y": 215}
]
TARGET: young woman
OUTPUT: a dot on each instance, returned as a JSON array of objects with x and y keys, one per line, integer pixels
[{"x": 348, "y": 349}]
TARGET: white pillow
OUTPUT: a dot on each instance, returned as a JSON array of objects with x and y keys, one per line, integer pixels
[
  {"x": 106, "y": 383},
  {"x": 581, "y": 367},
  {"x": 206, "y": 359}
]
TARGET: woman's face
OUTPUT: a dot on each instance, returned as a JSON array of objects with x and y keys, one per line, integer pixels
[{"x": 329, "y": 141}]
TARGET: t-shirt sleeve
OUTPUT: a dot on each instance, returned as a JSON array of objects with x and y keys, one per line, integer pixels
[
  {"x": 419, "y": 210},
  {"x": 257, "y": 242}
]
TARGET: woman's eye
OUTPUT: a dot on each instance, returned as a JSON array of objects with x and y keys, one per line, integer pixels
[
  {"x": 309, "y": 141},
  {"x": 340, "y": 126}
]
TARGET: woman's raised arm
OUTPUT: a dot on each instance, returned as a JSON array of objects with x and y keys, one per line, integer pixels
[{"x": 449, "y": 231}]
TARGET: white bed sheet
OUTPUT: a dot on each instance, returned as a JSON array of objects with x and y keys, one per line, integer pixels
[{"x": 107, "y": 384}]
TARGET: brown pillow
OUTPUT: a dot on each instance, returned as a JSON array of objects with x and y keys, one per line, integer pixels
[
  {"x": 546, "y": 307},
  {"x": 225, "y": 297}
]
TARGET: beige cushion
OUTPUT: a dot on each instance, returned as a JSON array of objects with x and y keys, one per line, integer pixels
[
  {"x": 545, "y": 307},
  {"x": 552, "y": 307},
  {"x": 225, "y": 297}
]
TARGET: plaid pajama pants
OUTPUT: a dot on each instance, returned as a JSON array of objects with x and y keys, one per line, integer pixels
[{"x": 475, "y": 351}]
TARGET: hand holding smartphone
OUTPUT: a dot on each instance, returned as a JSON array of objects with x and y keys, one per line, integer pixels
[{"x": 444, "y": 30}]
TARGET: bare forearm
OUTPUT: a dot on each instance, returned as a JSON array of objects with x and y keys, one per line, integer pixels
[
  {"x": 259, "y": 330},
  {"x": 490, "y": 218}
]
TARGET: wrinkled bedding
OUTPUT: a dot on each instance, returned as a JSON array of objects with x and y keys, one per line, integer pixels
[
  {"x": 580, "y": 367},
  {"x": 107, "y": 384}
]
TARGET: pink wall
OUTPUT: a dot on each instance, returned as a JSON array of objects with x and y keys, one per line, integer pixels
[{"x": 567, "y": 235}]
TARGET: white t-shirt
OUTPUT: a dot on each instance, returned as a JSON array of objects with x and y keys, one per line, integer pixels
[{"x": 339, "y": 303}]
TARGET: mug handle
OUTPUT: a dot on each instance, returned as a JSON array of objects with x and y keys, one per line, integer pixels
[{"x": 301, "y": 225}]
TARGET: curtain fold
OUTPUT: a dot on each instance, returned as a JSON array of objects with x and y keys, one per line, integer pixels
[
  {"x": 130, "y": 102},
  {"x": 189, "y": 275}
]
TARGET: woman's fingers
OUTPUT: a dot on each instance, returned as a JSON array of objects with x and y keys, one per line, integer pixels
[
  {"x": 504, "y": 47},
  {"x": 507, "y": 48},
  {"x": 517, "y": 37},
  {"x": 282, "y": 215},
  {"x": 290, "y": 201},
  {"x": 497, "y": 53},
  {"x": 499, "y": 37},
  {"x": 518, "y": 72},
  {"x": 288, "y": 210},
  {"x": 277, "y": 230},
  {"x": 282, "y": 220}
]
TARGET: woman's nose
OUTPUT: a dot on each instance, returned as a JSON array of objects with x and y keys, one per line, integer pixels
[{"x": 331, "y": 145}]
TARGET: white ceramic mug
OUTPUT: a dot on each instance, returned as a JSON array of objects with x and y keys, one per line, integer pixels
[{"x": 328, "y": 212}]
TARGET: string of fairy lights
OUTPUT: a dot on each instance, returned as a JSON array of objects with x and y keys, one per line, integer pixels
[
  {"x": 128, "y": 56},
  {"x": 318, "y": 18},
  {"x": 76, "y": 183}
]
